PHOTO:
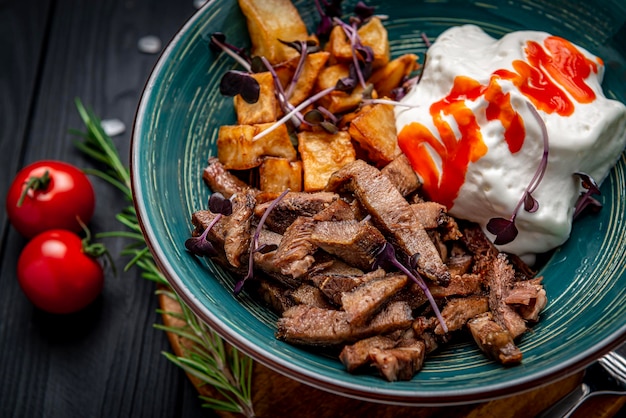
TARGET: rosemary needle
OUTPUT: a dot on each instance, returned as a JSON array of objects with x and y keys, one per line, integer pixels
[{"x": 209, "y": 359}]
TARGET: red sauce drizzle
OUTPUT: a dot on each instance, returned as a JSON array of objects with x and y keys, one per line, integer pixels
[{"x": 545, "y": 78}]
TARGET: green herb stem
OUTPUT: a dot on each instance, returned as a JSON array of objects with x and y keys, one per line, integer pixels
[{"x": 209, "y": 359}]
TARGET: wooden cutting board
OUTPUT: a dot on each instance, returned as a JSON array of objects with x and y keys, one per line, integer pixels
[{"x": 275, "y": 395}]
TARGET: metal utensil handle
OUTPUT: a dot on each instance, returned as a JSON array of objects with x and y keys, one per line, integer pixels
[{"x": 568, "y": 404}]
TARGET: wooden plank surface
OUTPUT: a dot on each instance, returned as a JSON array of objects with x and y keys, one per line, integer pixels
[
  {"x": 106, "y": 361},
  {"x": 278, "y": 396},
  {"x": 22, "y": 40}
]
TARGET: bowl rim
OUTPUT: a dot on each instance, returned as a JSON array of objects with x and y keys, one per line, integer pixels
[{"x": 275, "y": 363}]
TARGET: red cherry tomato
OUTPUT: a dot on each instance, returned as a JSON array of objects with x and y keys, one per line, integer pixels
[
  {"x": 49, "y": 195},
  {"x": 57, "y": 274}
]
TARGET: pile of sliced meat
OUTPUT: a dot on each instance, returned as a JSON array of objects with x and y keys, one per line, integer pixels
[{"x": 322, "y": 283}]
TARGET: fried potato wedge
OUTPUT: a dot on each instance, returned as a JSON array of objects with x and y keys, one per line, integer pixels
[
  {"x": 237, "y": 150},
  {"x": 374, "y": 129},
  {"x": 279, "y": 174},
  {"x": 304, "y": 85},
  {"x": 372, "y": 34},
  {"x": 306, "y": 82},
  {"x": 338, "y": 101},
  {"x": 322, "y": 154},
  {"x": 330, "y": 74},
  {"x": 387, "y": 78},
  {"x": 265, "y": 110},
  {"x": 270, "y": 21}
]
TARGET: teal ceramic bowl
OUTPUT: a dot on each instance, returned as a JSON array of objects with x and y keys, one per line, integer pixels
[{"x": 175, "y": 132}]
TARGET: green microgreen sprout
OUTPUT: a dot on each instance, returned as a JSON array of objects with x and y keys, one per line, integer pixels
[{"x": 317, "y": 117}]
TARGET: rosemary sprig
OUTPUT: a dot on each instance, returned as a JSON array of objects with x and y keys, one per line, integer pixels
[{"x": 208, "y": 358}]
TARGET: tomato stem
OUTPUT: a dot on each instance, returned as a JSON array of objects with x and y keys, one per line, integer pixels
[
  {"x": 95, "y": 249},
  {"x": 34, "y": 183}
]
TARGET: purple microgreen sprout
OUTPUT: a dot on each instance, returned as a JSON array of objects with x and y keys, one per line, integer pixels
[
  {"x": 235, "y": 82},
  {"x": 363, "y": 11},
  {"x": 218, "y": 43},
  {"x": 295, "y": 111},
  {"x": 426, "y": 40},
  {"x": 327, "y": 11},
  {"x": 304, "y": 48},
  {"x": 281, "y": 96},
  {"x": 346, "y": 84},
  {"x": 296, "y": 75},
  {"x": 387, "y": 256},
  {"x": 314, "y": 117},
  {"x": 390, "y": 102},
  {"x": 199, "y": 245},
  {"x": 505, "y": 229},
  {"x": 254, "y": 243},
  {"x": 409, "y": 82},
  {"x": 220, "y": 205},
  {"x": 586, "y": 200},
  {"x": 357, "y": 49}
]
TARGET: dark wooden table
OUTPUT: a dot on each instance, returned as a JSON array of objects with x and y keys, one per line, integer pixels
[{"x": 105, "y": 361}]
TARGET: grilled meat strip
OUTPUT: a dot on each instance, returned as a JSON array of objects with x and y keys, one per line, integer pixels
[
  {"x": 399, "y": 363},
  {"x": 294, "y": 255},
  {"x": 310, "y": 325},
  {"x": 500, "y": 278},
  {"x": 221, "y": 180},
  {"x": 335, "y": 283},
  {"x": 431, "y": 214},
  {"x": 483, "y": 251},
  {"x": 292, "y": 206},
  {"x": 238, "y": 228},
  {"x": 357, "y": 355},
  {"x": 364, "y": 301},
  {"x": 310, "y": 295},
  {"x": 460, "y": 285},
  {"x": 458, "y": 311},
  {"x": 392, "y": 214},
  {"x": 274, "y": 295},
  {"x": 401, "y": 175},
  {"x": 355, "y": 242},
  {"x": 493, "y": 340},
  {"x": 528, "y": 298}
]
